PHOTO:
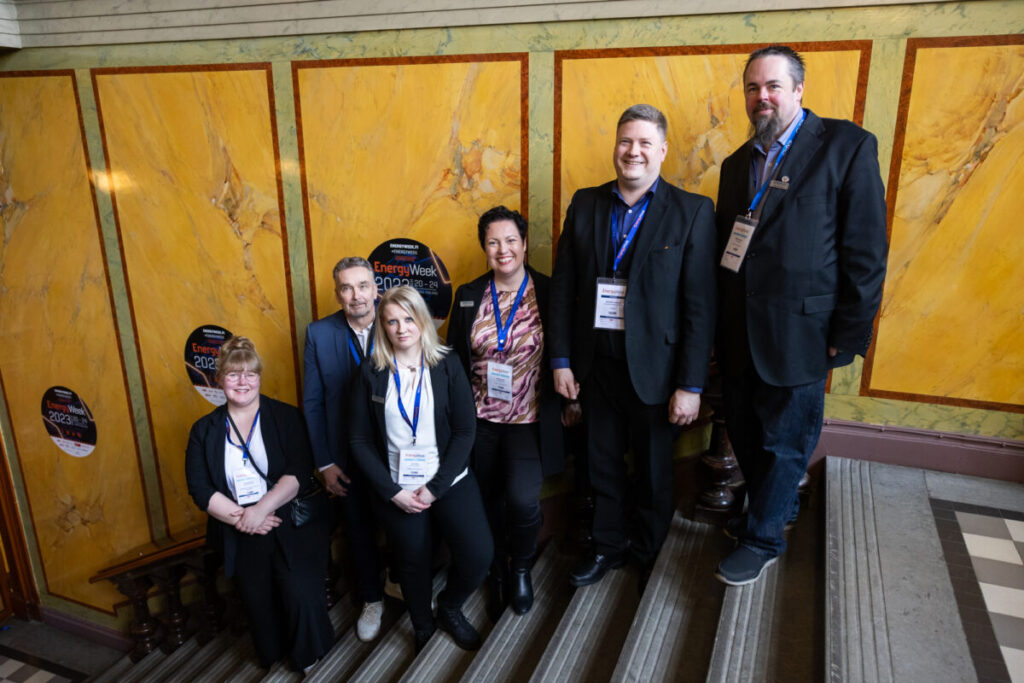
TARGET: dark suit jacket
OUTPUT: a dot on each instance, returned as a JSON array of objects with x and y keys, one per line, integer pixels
[
  {"x": 670, "y": 301},
  {"x": 330, "y": 374},
  {"x": 454, "y": 424},
  {"x": 284, "y": 436},
  {"x": 460, "y": 325},
  {"x": 812, "y": 276}
]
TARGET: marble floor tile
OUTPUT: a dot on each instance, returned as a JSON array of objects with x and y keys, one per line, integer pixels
[
  {"x": 999, "y": 549},
  {"x": 1003, "y": 600}
]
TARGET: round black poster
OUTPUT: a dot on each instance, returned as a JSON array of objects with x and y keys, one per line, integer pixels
[
  {"x": 69, "y": 422},
  {"x": 201, "y": 351},
  {"x": 408, "y": 262}
]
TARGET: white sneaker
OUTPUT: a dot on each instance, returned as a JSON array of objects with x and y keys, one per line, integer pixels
[
  {"x": 368, "y": 626},
  {"x": 393, "y": 589}
]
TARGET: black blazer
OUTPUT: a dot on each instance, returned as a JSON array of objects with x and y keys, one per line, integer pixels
[
  {"x": 467, "y": 304},
  {"x": 454, "y": 424},
  {"x": 670, "y": 302},
  {"x": 287, "y": 443},
  {"x": 812, "y": 277}
]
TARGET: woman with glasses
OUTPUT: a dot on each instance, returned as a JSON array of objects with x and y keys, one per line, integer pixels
[
  {"x": 411, "y": 431},
  {"x": 244, "y": 463}
]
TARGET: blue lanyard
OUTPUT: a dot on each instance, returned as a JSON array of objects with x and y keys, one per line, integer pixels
[
  {"x": 414, "y": 422},
  {"x": 503, "y": 330},
  {"x": 248, "y": 439},
  {"x": 778, "y": 162},
  {"x": 628, "y": 239},
  {"x": 355, "y": 352}
]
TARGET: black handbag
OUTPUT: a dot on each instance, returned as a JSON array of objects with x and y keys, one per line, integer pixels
[{"x": 303, "y": 508}]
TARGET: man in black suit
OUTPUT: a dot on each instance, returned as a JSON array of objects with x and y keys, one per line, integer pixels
[
  {"x": 631, "y": 328},
  {"x": 802, "y": 248}
]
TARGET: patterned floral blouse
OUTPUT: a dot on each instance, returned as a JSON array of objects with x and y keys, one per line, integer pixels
[{"x": 523, "y": 349}]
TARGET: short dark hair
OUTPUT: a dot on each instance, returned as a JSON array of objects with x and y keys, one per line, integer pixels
[
  {"x": 351, "y": 262},
  {"x": 645, "y": 112},
  {"x": 500, "y": 213},
  {"x": 792, "y": 57}
]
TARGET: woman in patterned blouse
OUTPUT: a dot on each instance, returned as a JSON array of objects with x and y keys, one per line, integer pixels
[{"x": 519, "y": 432}]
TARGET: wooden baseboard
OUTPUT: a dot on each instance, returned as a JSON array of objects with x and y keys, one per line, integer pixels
[
  {"x": 86, "y": 629},
  {"x": 976, "y": 456}
]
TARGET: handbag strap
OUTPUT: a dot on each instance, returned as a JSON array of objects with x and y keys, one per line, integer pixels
[{"x": 245, "y": 448}]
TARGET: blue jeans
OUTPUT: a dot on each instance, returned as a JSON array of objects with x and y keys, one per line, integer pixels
[{"x": 773, "y": 431}]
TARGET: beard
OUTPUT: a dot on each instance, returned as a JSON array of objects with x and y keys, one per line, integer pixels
[{"x": 767, "y": 128}]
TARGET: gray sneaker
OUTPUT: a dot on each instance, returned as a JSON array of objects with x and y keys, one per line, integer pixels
[{"x": 742, "y": 566}]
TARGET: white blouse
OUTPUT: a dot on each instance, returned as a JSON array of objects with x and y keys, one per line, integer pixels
[
  {"x": 234, "y": 456},
  {"x": 399, "y": 433}
]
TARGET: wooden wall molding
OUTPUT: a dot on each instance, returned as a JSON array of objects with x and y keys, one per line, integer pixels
[
  {"x": 31, "y": 23},
  {"x": 965, "y": 454}
]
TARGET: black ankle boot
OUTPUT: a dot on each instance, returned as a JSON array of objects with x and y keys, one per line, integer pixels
[
  {"x": 521, "y": 591},
  {"x": 452, "y": 620}
]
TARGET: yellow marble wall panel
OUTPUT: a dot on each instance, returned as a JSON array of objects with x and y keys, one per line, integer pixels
[
  {"x": 192, "y": 159},
  {"x": 57, "y": 328},
  {"x": 700, "y": 95},
  {"x": 413, "y": 150},
  {"x": 953, "y": 308}
]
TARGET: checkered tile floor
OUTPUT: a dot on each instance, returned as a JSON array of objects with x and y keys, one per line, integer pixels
[
  {"x": 18, "y": 667},
  {"x": 984, "y": 550}
]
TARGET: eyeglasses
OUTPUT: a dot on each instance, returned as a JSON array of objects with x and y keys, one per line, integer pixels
[{"x": 236, "y": 377}]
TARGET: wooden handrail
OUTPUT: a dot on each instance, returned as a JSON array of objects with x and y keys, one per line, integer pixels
[{"x": 149, "y": 554}]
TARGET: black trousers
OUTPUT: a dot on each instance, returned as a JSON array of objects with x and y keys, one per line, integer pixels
[
  {"x": 617, "y": 420},
  {"x": 459, "y": 517},
  {"x": 361, "y": 526},
  {"x": 506, "y": 461},
  {"x": 284, "y": 596}
]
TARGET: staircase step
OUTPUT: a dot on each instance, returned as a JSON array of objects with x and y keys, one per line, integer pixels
[
  {"x": 517, "y": 642},
  {"x": 200, "y": 659},
  {"x": 143, "y": 666},
  {"x": 349, "y": 652},
  {"x": 219, "y": 669},
  {"x": 169, "y": 664},
  {"x": 115, "y": 672},
  {"x": 743, "y": 640},
  {"x": 442, "y": 659},
  {"x": 670, "y": 636},
  {"x": 589, "y": 637},
  {"x": 395, "y": 651}
]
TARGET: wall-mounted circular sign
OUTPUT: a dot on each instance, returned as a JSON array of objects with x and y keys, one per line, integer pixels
[
  {"x": 201, "y": 351},
  {"x": 69, "y": 422},
  {"x": 408, "y": 262}
]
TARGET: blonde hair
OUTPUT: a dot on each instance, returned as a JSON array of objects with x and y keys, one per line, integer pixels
[
  {"x": 410, "y": 301},
  {"x": 238, "y": 353}
]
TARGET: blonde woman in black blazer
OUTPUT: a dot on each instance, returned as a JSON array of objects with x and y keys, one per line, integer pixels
[
  {"x": 278, "y": 568},
  {"x": 412, "y": 429}
]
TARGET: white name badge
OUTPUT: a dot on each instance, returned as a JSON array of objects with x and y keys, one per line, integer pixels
[
  {"x": 739, "y": 240},
  {"x": 412, "y": 466},
  {"x": 249, "y": 486},
  {"x": 610, "y": 306},
  {"x": 499, "y": 381}
]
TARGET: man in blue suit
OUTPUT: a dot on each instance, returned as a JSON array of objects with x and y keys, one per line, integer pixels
[
  {"x": 802, "y": 248},
  {"x": 335, "y": 348}
]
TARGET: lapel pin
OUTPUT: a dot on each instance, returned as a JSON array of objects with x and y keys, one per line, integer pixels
[{"x": 785, "y": 178}]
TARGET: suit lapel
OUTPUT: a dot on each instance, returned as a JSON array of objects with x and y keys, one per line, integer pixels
[
  {"x": 650, "y": 228},
  {"x": 341, "y": 339}
]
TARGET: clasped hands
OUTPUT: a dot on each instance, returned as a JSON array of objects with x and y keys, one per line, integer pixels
[
  {"x": 413, "y": 501},
  {"x": 254, "y": 520}
]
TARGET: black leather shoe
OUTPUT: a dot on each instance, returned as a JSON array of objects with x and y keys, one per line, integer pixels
[
  {"x": 592, "y": 570},
  {"x": 423, "y": 637},
  {"x": 452, "y": 620},
  {"x": 521, "y": 593}
]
